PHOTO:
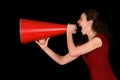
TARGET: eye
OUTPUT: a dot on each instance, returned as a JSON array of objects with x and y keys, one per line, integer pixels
[{"x": 80, "y": 18}]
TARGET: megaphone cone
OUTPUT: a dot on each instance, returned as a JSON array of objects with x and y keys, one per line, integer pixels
[{"x": 31, "y": 30}]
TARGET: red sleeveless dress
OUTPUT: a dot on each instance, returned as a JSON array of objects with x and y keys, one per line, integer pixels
[{"x": 98, "y": 62}]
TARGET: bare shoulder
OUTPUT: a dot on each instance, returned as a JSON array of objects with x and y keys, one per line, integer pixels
[{"x": 97, "y": 41}]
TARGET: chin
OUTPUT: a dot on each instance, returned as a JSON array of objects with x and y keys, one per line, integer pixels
[{"x": 83, "y": 34}]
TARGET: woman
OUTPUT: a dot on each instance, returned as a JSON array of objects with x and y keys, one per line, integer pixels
[{"x": 94, "y": 51}]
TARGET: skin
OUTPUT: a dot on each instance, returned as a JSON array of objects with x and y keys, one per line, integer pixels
[{"x": 74, "y": 51}]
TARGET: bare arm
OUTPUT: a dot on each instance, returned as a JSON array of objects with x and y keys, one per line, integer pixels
[{"x": 56, "y": 57}]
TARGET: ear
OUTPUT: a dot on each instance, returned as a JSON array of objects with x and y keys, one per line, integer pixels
[{"x": 90, "y": 22}]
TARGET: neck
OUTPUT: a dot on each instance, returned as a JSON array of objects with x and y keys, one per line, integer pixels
[{"x": 91, "y": 35}]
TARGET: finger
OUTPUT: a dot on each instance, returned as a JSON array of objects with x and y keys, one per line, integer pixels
[
  {"x": 37, "y": 42},
  {"x": 48, "y": 38},
  {"x": 76, "y": 27}
]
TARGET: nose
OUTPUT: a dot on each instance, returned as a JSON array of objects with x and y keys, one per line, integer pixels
[{"x": 78, "y": 21}]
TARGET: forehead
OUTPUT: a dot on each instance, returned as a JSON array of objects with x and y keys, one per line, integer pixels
[{"x": 83, "y": 15}]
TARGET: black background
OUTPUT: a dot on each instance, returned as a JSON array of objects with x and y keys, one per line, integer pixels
[{"x": 30, "y": 62}]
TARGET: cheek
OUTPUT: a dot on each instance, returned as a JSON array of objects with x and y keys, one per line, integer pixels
[{"x": 82, "y": 23}]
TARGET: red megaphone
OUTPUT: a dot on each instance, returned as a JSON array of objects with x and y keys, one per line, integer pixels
[{"x": 31, "y": 30}]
